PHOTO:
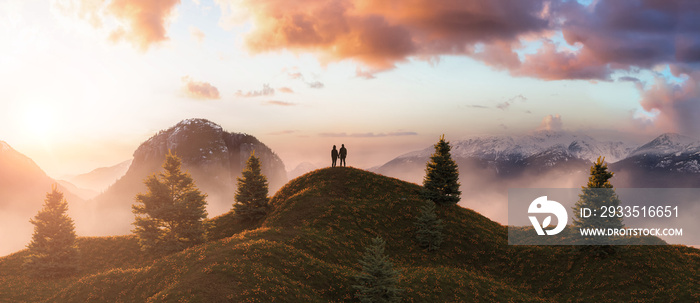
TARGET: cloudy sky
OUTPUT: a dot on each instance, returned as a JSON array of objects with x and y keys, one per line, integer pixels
[{"x": 83, "y": 82}]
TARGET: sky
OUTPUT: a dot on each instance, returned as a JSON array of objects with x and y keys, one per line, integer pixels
[{"x": 84, "y": 82}]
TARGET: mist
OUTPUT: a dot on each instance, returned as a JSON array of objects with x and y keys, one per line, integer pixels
[{"x": 485, "y": 189}]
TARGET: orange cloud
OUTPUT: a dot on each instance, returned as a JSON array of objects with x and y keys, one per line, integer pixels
[
  {"x": 381, "y": 33},
  {"x": 608, "y": 35},
  {"x": 88, "y": 10},
  {"x": 200, "y": 90},
  {"x": 550, "y": 64},
  {"x": 146, "y": 21},
  {"x": 140, "y": 22}
]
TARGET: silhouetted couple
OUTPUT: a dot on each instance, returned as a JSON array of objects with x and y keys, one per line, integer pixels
[{"x": 342, "y": 154}]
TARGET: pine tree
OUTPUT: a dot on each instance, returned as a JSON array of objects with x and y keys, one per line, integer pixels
[
  {"x": 441, "y": 181},
  {"x": 251, "y": 194},
  {"x": 169, "y": 217},
  {"x": 53, "y": 250},
  {"x": 429, "y": 233},
  {"x": 378, "y": 280},
  {"x": 597, "y": 193}
]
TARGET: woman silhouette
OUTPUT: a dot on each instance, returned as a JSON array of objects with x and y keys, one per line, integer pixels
[{"x": 334, "y": 155}]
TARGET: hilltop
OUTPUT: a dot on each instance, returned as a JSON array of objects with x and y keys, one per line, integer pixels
[{"x": 307, "y": 250}]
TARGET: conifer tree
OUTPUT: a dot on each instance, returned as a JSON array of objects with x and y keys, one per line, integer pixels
[
  {"x": 251, "y": 194},
  {"x": 441, "y": 181},
  {"x": 53, "y": 250},
  {"x": 597, "y": 193},
  {"x": 378, "y": 280},
  {"x": 429, "y": 227},
  {"x": 169, "y": 217}
]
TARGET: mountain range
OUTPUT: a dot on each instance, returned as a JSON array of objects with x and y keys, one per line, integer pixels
[
  {"x": 543, "y": 151},
  {"x": 214, "y": 158},
  {"x": 490, "y": 165}
]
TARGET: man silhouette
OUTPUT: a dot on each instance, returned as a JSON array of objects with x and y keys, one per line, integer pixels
[
  {"x": 334, "y": 155},
  {"x": 343, "y": 154}
]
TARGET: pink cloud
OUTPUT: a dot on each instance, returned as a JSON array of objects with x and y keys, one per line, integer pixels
[
  {"x": 676, "y": 105},
  {"x": 200, "y": 90},
  {"x": 265, "y": 91},
  {"x": 146, "y": 21},
  {"x": 380, "y": 33},
  {"x": 552, "y": 123},
  {"x": 607, "y": 35}
]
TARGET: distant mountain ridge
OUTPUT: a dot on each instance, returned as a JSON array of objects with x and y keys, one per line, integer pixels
[
  {"x": 511, "y": 148},
  {"x": 549, "y": 149},
  {"x": 490, "y": 165},
  {"x": 101, "y": 178},
  {"x": 301, "y": 169},
  {"x": 499, "y": 157},
  {"x": 670, "y": 160},
  {"x": 668, "y": 143}
]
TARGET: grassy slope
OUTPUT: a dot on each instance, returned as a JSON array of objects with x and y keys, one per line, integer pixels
[{"x": 307, "y": 250}]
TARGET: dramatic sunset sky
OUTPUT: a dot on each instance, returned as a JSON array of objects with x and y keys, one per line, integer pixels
[{"x": 83, "y": 82}]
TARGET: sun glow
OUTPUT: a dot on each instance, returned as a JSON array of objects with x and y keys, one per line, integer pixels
[{"x": 39, "y": 122}]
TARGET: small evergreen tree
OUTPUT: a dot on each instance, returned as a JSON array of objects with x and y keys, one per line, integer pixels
[
  {"x": 597, "y": 193},
  {"x": 53, "y": 250},
  {"x": 441, "y": 181},
  {"x": 170, "y": 216},
  {"x": 429, "y": 233},
  {"x": 378, "y": 280},
  {"x": 251, "y": 194}
]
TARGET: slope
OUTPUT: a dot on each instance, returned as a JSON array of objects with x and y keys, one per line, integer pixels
[{"x": 308, "y": 247}]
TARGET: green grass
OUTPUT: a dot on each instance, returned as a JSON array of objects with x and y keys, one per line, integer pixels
[{"x": 307, "y": 251}]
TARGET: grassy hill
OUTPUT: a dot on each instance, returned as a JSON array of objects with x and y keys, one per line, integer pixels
[{"x": 307, "y": 251}]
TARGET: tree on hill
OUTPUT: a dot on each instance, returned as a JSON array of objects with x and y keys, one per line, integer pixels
[
  {"x": 597, "y": 193},
  {"x": 441, "y": 181},
  {"x": 251, "y": 194},
  {"x": 53, "y": 250},
  {"x": 170, "y": 216},
  {"x": 378, "y": 280},
  {"x": 429, "y": 227}
]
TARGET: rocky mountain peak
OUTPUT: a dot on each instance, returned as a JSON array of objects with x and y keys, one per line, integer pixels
[
  {"x": 213, "y": 156},
  {"x": 665, "y": 144}
]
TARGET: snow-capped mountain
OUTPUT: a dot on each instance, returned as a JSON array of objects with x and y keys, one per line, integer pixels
[
  {"x": 668, "y": 143},
  {"x": 506, "y": 157},
  {"x": 513, "y": 148},
  {"x": 670, "y": 160}
]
